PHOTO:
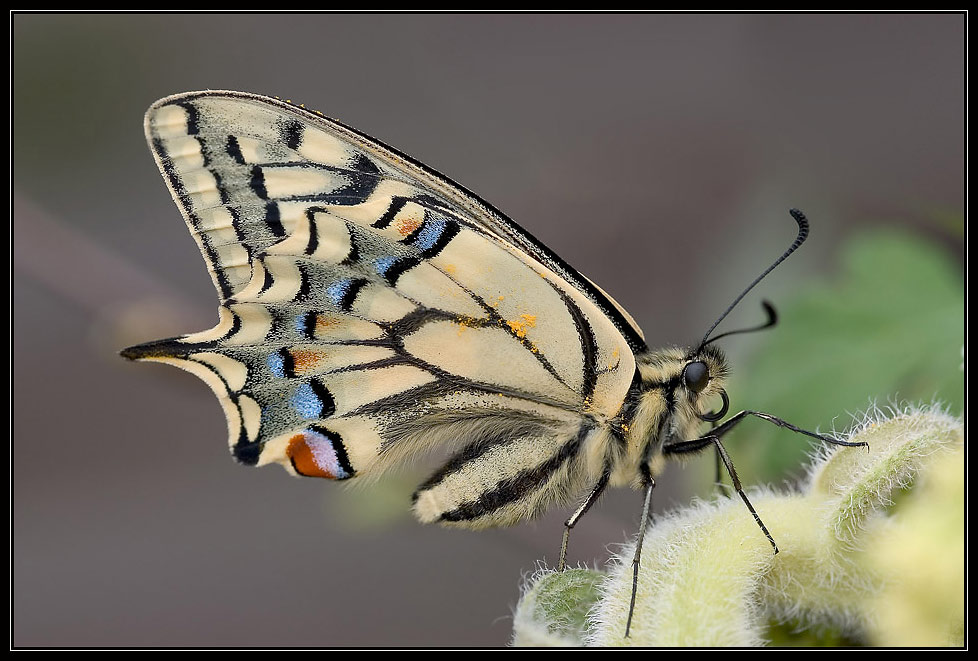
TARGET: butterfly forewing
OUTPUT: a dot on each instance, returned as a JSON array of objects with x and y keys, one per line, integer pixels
[{"x": 372, "y": 310}]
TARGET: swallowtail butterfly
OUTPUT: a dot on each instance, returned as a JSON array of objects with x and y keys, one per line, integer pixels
[{"x": 371, "y": 310}]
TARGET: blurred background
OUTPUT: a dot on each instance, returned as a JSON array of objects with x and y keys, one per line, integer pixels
[{"x": 658, "y": 154}]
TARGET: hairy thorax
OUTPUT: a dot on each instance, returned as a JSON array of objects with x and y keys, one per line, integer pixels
[{"x": 661, "y": 409}]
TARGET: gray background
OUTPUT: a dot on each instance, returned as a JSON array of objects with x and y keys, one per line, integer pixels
[{"x": 656, "y": 153}]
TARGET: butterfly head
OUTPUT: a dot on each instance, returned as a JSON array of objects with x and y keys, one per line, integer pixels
[
  {"x": 703, "y": 375},
  {"x": 677, "y": 391}
]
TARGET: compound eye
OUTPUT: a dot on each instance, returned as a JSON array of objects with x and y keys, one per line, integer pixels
[{"x": 696, "y": 375}]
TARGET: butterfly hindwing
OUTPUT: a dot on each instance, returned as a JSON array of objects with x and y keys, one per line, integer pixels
[{"x": 372, "y": 310}]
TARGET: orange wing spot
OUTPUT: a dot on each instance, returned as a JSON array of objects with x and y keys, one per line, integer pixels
[
  {"x": 405, "y": 226},
  {"x": 324, "y": 323},
  {"x": 450, "y": 269},
  {"x": 305, "y": 461},
  {"x": 306, "y": 361},
  {"x": 519, "y": 327}
]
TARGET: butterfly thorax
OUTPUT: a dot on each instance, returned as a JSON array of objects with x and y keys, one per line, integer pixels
[{"x": 663, "y": 406}]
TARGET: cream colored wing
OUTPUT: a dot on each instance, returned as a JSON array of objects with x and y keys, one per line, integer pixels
[{"x": 372, "y": 309}]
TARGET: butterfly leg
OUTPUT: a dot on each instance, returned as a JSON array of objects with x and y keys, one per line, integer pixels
[
  {"x": 683, "y": 447},
  {"x": 717, "y": 463},
  {"x": 692, "y": 446},
  {"x": 637, "y": 558},
  {"x": 728, "y": 464},
  {"x": 572, "y": 521},
  {"x": 734, "y": 420},
  {"x": 718, "y": 477}
]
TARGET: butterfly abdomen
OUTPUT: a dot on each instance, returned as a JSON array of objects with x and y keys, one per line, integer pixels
[{"x": 511, "y": 476}]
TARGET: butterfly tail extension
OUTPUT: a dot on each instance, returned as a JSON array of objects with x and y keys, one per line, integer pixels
[
  {"x": 224, "y": 375},
  {"x": 313, "y": 448},
  {"x": 156, "y": 350}
]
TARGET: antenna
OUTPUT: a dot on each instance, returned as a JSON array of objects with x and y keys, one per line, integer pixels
[
  {"x": 800, "y": 239},
  {"x": 772, "y": 320}
]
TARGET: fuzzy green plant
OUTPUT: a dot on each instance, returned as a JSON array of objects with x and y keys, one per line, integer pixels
[{"x": 871, "y": 549}]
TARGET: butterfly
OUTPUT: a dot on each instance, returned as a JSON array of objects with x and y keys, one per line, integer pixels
[{"x": 372, "y": 311}]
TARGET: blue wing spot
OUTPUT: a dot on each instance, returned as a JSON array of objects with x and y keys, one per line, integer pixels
[
  {"x": 302, "y": 324},
  {"x": 383, "y": 264},
  {"x": 276, "y": 365},
  {"x": 429, "y": 234},
  {"x": 338, "y": 290},
  {"x": 307, "y": 403}
]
